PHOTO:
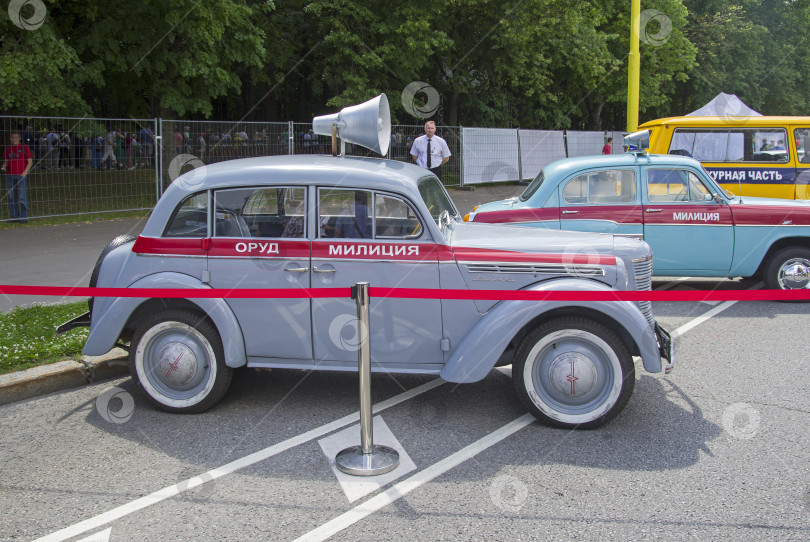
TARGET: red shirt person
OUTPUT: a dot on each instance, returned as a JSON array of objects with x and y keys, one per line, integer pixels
[
  {"x": 608, "y": 148},
  {"x": 17, "y": 162}
]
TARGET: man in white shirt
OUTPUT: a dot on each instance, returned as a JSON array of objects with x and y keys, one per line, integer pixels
[{"x": 430, "y": 151}]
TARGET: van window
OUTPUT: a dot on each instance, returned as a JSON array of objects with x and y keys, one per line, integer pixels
[
  {"x": 802, "y": 137},
  {"x": 731, "y": 145}
]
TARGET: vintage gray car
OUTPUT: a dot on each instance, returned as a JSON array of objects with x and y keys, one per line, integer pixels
[
  {"x": 322, "y": 221},
  {"x": 294, "y": 224}
]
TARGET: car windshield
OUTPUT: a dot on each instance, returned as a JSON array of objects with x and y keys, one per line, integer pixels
[
  {"x": 436, "y": 198},
  {"x": 533, "y": 186}
]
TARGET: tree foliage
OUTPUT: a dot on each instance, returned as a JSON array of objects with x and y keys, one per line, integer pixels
[{"x": 528, "y": 63}]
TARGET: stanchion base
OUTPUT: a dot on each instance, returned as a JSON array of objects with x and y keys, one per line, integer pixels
[{"x": 353, "y": 461}]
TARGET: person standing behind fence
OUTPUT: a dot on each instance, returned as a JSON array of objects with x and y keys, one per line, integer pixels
[
  {"x": 178, "y": 142},
  {"x": 53, "y": 149},
  {"x": 29, "y": 138},
  {"x": 17, "y": 162},
  {"x": 201, "y": 146},
  {"x": 130, "y": 144},
  {"x": 608, "y": 148},
  {"x": 109, "y": 151},
  {"x": 430, "y": 151},
  {"x": 147, "y": 145}
]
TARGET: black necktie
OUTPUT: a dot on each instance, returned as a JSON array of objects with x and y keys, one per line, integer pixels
[{"x": 428, "y": 154}]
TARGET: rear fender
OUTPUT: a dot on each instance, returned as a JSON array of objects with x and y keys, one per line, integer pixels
[
  {"x": 109, "y": 318},
  {"x": 477, "y": 353}
]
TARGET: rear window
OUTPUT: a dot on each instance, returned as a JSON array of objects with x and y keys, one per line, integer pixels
[{"x": 190, "y": 219}]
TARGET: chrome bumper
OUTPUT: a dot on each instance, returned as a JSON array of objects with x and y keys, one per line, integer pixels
[{"x": 666, "y": 346}]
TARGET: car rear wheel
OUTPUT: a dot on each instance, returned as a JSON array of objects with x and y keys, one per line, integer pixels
[
  {"x": 789, "y": 269},
  {"x": 574, "y": 373},
  {"x": 177, "y": 360}
]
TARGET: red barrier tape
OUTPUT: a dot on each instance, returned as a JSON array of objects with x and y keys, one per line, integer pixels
[{"x": 413, "y": 293}]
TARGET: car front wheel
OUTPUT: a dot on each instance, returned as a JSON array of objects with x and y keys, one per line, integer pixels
[
  {"x": 789, "y": 269},
  {"x": 177, "y": 360},
  {"x": 573, "y": 373}
]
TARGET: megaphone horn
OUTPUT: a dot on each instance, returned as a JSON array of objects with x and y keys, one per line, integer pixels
[{"x": 367, "y": 124}]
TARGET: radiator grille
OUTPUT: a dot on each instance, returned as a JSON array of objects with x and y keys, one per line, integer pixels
[{"x": 642, "y": 270}]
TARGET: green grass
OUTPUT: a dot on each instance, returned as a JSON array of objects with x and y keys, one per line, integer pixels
[
  {"x": 84, "y": 191},
  {"x": 27, "y": 336}
]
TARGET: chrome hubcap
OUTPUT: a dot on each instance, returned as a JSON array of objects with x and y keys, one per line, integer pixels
[
  {"x": 572, "y": 375},
  {"x": 794, "y": 274},
  {"x": 176, "y": 364}
]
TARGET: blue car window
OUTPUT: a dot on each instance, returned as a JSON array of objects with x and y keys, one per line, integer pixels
[
  {"x": 670, "y": 185},
  {"x": 606, "y": 187}
]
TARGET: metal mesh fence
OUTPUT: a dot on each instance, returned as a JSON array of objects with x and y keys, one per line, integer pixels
[
  {"x": 82, "y": 165},
  {"x": 187, "y": 143},
  {"x": 584, "y": 143},
  {"x": 96, "y": 165}
]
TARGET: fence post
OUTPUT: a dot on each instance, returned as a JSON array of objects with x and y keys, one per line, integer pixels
[
  {"x": 158, "y": 156},
  {"x": 290, "y": 140},
  {"x": 366, "y": 459},
  {"x": 520, "y": 158},
  {"x": 461, "y": 155}
]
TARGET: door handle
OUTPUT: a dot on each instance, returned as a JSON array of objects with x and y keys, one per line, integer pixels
[
  {"x": 653, "y": 210},
  {"x": 570, "y": 212},
  {"x": 297, "y": 269},
  {"x": 316, "y": 270}
]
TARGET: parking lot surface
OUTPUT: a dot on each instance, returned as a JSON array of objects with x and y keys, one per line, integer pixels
[{"x": 717, "y": 449}]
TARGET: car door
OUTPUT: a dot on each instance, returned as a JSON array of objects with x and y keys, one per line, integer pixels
[
  {"x": 260, "y": 241},
  {"x": 603, "y": 200},
  {"x": 375, "y": 237},
  {"x": 689, "y": 231}
]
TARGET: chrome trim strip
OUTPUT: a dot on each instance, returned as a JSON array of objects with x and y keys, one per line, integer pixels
[{"x": 537, "y": 269}]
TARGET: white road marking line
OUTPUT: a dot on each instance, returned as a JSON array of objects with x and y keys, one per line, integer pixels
[
  {"x": 102, "y": 536},
  {"x": 404, "y": 487},
  {"x": 672, "y": 284},
  {"x": 708, "y": 314},
  {"x": 185, "y": 485},
  {"x": 401, "y": 489}
]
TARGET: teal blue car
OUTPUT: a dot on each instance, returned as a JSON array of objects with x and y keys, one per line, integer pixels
[{"x": 695, "y": 228}]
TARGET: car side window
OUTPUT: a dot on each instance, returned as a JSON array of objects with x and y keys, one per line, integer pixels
[
  {"x": 276, "y": 211},
  {"x": 732, "y": 145},
  {"x": 345, "y": 213},
  {"x": 394, "y": 219},
  {"x": 606, "y": 187},
  {"x": 670, "y": 185},
  {"x": 190, "y": 219}
]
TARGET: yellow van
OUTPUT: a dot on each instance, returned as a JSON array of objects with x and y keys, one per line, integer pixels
[{"x": 751, "y": 156}]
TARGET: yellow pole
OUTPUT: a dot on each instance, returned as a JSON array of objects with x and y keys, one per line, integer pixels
[{"x": 633, "y": 68}]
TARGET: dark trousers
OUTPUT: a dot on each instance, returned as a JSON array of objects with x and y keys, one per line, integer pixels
[{"x": 437, "y": 171}]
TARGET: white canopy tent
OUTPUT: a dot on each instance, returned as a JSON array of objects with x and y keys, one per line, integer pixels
[{"x": 725, "y": 105}]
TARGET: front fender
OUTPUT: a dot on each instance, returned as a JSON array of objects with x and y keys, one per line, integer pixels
[
  {"x": 477, "y": 353},
  {"x": 108, "y": 319}
]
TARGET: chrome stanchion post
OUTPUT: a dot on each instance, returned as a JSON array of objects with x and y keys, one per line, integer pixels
[{"x": 366, "y": 459}]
